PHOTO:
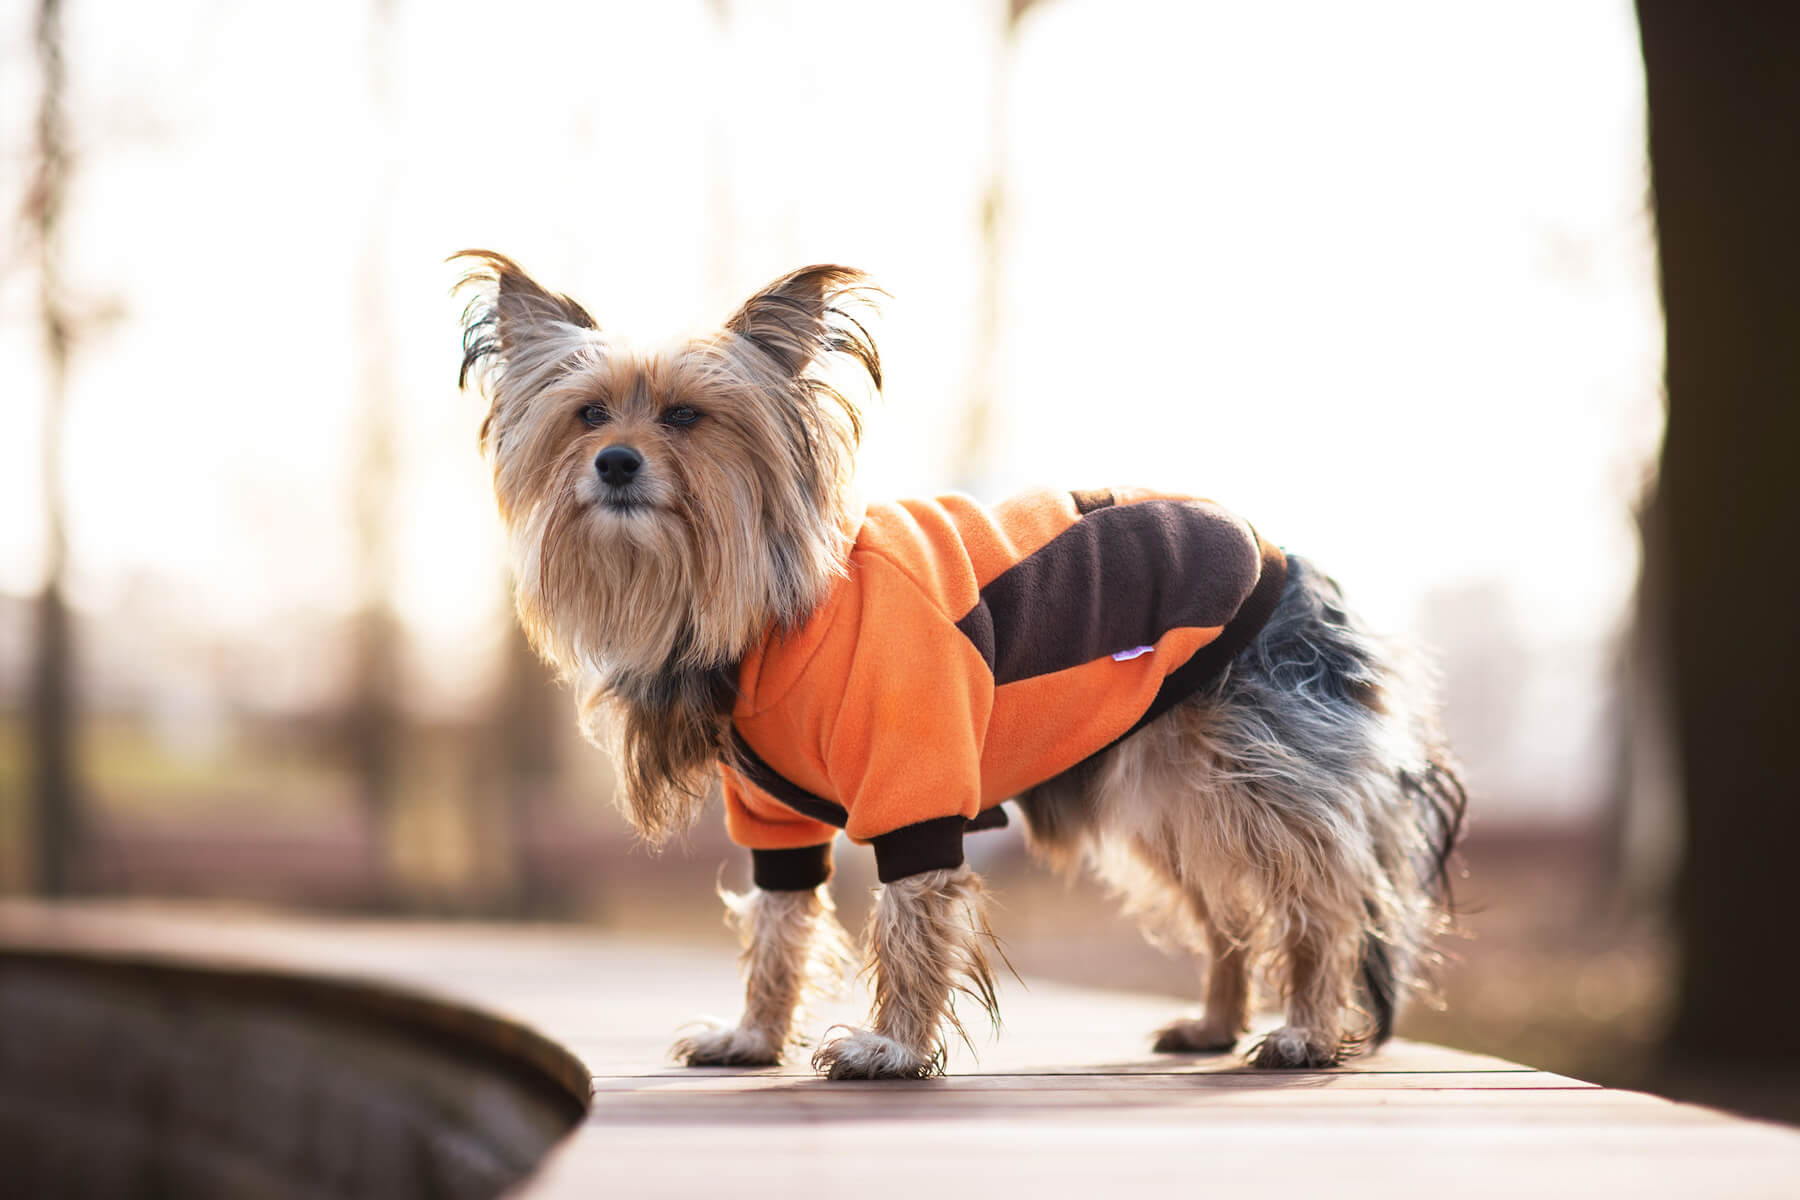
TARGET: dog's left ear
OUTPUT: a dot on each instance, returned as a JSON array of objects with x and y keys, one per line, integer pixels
[{"x": 803, "y": 316}]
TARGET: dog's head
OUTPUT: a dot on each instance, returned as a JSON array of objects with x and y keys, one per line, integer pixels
[{"x": 666, "y": 509}]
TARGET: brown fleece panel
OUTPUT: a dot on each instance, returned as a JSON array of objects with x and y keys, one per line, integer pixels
[
  {"x": 1212, "y": 659},
  {"x": 1117, "y": 579},
  {"x": 1088, "y": 501}
]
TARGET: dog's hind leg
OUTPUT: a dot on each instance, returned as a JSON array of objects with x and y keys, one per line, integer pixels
[
  {"x": 1227, "y": 1015},
  {"x": 926, "y": 942},
  {"x": 1319, "y": 973},
  {"x": 793, "y": 946},
  {"x": 1152, "y": 846}
]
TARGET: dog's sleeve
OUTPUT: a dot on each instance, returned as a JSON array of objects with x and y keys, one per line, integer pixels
[
  {"x": 788, "y": 852},
  {"x": 904, "y": 749}
]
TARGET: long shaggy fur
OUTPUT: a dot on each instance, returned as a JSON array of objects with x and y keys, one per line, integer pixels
[
  {"x": 927, "y": 943},
  {"x": 1299, "y": 815},
  {"x": 794, "y": 951}
]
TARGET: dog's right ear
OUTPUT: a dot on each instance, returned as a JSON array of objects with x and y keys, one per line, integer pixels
[{"x": 509, "y": 313}]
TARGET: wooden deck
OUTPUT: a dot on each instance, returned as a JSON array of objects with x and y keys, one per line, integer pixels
[{"x": 1067, "y": 1101}]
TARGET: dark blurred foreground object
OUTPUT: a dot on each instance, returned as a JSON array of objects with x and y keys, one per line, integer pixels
[
  {"x": 123, "y": 1078},
  {"x": 1724, "y": 93}
]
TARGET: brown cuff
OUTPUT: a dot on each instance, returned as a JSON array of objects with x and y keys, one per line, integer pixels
[
  {"x": 934, "y": 845},
  {"x": 798, "y": 870}
]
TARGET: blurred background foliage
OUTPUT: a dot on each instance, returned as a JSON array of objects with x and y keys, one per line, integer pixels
[{"x": 1382, "y": 276}]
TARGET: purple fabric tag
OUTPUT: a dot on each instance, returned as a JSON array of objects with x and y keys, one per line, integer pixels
[{"x": 1127, "y": 655}]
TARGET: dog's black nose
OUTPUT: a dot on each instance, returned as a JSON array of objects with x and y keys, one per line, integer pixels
[{"x": 618, "y": 465}]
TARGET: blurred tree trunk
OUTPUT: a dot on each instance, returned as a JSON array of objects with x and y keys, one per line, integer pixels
[
  {"x": 1724, "y": 93},
  {"x": 978, "y": 409},
  {"x": 53, "y": 716},
  {"x": 373, "y": 724}
]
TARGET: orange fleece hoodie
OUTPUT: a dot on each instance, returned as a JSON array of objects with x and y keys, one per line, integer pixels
[{"x": 970, "y": 654}]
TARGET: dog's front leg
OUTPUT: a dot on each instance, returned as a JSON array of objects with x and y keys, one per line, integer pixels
[
  {"x": 926, "y": 942},
  {"x": 793, "y": 946}
]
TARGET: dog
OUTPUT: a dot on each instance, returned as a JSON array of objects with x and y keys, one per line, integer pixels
[{"x": 1169, "y": 699}]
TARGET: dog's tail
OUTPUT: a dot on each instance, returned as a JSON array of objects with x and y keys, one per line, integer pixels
[
  {"x": 1381, "y": 989},
  {"x": 1439, "y": 803}
]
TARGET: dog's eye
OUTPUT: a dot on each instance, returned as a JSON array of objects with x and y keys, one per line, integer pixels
[
  {"x": 680, "y": 415},
  {"x": 595, "y": 416}
]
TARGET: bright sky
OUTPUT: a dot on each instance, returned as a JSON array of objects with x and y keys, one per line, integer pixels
[{"x": 1378, "y": 275}]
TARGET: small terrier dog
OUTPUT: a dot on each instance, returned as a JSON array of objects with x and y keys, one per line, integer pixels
[{"x": 1166, "y": 697}]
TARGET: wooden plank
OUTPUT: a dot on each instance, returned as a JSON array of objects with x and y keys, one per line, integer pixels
[
  {"x": 1070, "y": 1082},
  {"x": 1052, "y": 1158}
]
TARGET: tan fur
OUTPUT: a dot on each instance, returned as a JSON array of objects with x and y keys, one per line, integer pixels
[
  {"x": 1202, "y": 857},
  {"x": 1227, "y": 1001},
  {"x": 927, "y": 942},
  {"x": 794, "y": 951}
]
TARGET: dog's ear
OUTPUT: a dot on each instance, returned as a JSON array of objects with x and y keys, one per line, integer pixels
[
  {"x": 510, "y": 313},
  {"x": 805, "y": 315}
]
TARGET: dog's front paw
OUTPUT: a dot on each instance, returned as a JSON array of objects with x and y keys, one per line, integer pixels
[
  {"x": 861, "y": 1054},
  {"x": 1293, "y": 1048},
  {"x": 738, "y": 1047},
  {"x": 1195, "y": 1037}
]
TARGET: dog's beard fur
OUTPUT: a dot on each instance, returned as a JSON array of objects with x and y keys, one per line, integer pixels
[{"x": 646, "y": 598}]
